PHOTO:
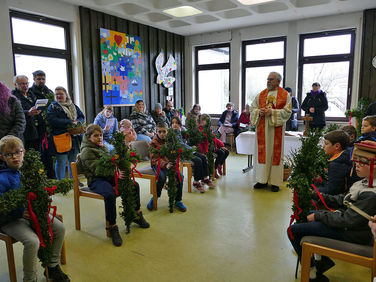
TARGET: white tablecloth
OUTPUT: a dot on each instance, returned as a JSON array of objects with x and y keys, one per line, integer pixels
[{"x": 245, "y": 142}]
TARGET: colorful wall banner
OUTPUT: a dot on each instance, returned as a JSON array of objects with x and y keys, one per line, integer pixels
[
  {"x": 121, "y": 68},
  {"x": 163, "y": 71}
]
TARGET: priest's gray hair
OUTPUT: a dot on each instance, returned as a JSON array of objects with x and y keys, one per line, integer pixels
[{"x": 279, "y": 76}]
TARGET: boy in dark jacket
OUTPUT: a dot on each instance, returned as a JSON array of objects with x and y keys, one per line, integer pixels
[
  {"x": 343, "y": 224},
  {"x": 16, "y": 223},
  {"x": 368, "y": 129},
  {"x": 158, "y": 141},
  {"x": 91, "y": 148},
  {"x": 339, "y": 164}
]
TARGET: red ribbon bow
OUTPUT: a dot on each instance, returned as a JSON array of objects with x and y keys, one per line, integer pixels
[
  {"x": 294, "y": 216},
  {"x": 45, "y": 141},
  {"x": 321, "y": 197},
  {"x": 177, "y": 171},
  {"x": 133, "y": 154},
  {"x": 34, "y": 220},
  {"x": 159, "y": 165},
  {"x": 117, "y": 175}
]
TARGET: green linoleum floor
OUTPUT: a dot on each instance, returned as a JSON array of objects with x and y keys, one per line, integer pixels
[{"x": 231, "y": 233}]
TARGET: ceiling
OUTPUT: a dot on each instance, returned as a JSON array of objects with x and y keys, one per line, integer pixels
[{"x": 221, "y": 14}]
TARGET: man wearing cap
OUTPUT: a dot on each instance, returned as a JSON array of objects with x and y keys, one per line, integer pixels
[
  {"x": 315, "y": 104},
  {"x": 269, "y": 112}
]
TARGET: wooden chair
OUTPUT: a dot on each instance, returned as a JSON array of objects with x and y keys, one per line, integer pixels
[
  {"x": 9, "y": 241},
  {"x": 358, "y": 254},
  {"x": 142, "y": 148},
  {"x": 223, "y": 169},
  {"x": 232, "y": 140},
  {"x": 83, "y": 192},
  {"x": 188, "y": 165}
]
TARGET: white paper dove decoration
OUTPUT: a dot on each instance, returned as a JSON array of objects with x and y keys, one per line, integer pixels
[{"x": 163, "y": 71}]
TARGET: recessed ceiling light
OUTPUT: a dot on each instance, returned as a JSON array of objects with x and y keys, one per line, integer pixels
[
  {"x": 253, "y": 2},
  {"x": 183, "y": 11}
]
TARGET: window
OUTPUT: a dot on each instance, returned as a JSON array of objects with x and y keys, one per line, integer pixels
[
  {"x": 40, "y": 43},
  {"x": 327, "y": 58},
  {"x": 260, "y": 57},
  {"x": 213, "y": 77}
]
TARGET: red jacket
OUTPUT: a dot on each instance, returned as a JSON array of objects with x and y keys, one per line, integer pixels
[
  {"x": 244, "y": 118},
  {"x": 203, "y": 146},
  {"x": 155, "y": 143}
]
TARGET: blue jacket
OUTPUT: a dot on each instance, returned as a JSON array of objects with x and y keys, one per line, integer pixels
[
  {"x": 59, "y": 123},
  {"x": 339, "y": 169},
  {"x": 10, "y": 180},
  {"x": 101, "y": 121},
  {"x": 181, "y": 140},
  {"x": 234, "y": 118}
]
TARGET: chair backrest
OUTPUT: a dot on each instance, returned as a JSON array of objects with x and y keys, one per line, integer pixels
[
  {"x": 74, "y": 176},
  {"x": 142, "y": 148}
]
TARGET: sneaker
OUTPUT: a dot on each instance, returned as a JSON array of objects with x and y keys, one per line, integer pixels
[
  {"x": 275, "y": 188},
  {"x": 56, "y": 274},
  {"x": 208, "y": 182},
  {"x": 115, "y": 236},
  {"x": 324, "y": 264},
  {"x": 216, "y": 174},
  {"x": 199, "y": 187},
  {"x": 140, "y": 220},
  {"x": 259, "y": 185},
  {"x": 150, "y": 204},
  {"x": 220, "y": 170},
  {"x": 319, "y": 278},
  {"x": 180, "y": 206}
]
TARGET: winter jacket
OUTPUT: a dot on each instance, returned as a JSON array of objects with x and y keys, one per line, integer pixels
[
  {"x": 155, "y": 143},
  {"x": 367, "y": 136},
  {"x": 181, "y": 139},
  {"x": 14, "y": 123},
  {"x": 101, "y": 121},
  {"x": 204, "y": 145},
  {"x": 244, "y": 118},
  {"x": 31, "y": 130},
  {"x": 159, "y": 118},
  {"x": 292, "y": 123},
  {"x": 320, "y": 103},
  {"x": 142, "y": 123},
  {"x": 59, "y": 123},
  {"x": 169, "y": 114},
  {"x": 234, "y": 118},
  {"x": 353, "y": 226},
  {"x": 41, "y": 92},
  {"x": 339, "y": 168},
  {"x": 10, "y": 180},
  {"x": 89, "y": 155},
  {"x": 371, "y": 110}
]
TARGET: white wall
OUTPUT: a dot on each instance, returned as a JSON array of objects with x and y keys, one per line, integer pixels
[
  {"x": 52, "y": 9},
  {"x": 291, "y": 30}
]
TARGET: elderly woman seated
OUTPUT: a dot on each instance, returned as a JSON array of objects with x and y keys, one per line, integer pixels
[
  {"x": 159, "y": 115},
  {"x": 143, "y": 123},
  {"x": 228, "y": 122}
]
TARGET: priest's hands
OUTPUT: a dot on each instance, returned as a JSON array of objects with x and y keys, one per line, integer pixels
[
  {"x": 311, "y": 217},
  {"x": 265, "y": 112}
]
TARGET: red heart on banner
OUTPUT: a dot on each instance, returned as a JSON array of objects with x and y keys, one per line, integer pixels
[
  {"x": 105, "y": 52},
  {"x": 118, "y": 39}
]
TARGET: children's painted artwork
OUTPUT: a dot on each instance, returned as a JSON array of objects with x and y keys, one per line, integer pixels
[
  {"x": 163, "y": 71},
  {"x": 121, "y": 68}
]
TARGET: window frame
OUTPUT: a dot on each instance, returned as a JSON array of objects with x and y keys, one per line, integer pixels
[
  {"x": 216, "y": 66},
  {"x": 33, "y": 50},
  {"x": 261, "y": 63},
  {"x": 335, "y": 58}
]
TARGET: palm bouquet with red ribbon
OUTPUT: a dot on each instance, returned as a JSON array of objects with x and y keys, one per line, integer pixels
[
  {"x": 125, "y": 160},
  {"x": 193, "y": 135},
  {"x": 174, "y": 151},
  {"x": 37, "y": 189}
]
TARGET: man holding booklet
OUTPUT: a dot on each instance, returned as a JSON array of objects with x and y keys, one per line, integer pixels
[{"x": 348, "y": 220}]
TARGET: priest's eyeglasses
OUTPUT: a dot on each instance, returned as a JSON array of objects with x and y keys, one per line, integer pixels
[{"x": 12, "y": 155}]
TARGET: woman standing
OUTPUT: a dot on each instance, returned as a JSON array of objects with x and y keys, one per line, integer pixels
[
  {"x": 12, "y": 118},
  {"x": 143, "y": 123},
  {"x": 315, "y": 104},
  {"x": 61, "y": 114},
  {"x": 106, "y": 120}
]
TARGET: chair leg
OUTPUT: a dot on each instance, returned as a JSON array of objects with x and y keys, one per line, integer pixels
[
  {"x": 297, "y": 267},
  {"x": 189, "y": 172},
  {"x": 11, "y": 265},
  {"x": 231, "y": 141},
  {"x": 153, "y": 185},
  {"x": 63, "y": 257},
  {"x": 224, "y": 168},
  {"x": 107, "y": 230},
  {"x": 77, "y": 217},
  {"x": 213, "y": 174},
  {"x": 305, "y": 264}
]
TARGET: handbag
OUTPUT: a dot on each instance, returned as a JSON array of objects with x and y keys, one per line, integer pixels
[{"x": 63, "y": 142}]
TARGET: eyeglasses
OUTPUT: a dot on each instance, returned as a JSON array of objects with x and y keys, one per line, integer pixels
[
  {"x": 22, "y": 83},
  {"x": 12, "y": 155}
]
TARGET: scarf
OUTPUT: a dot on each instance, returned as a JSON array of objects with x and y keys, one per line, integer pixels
[
  {"x": 315, "y": 93},
  {"x": 69, "y": 109}
]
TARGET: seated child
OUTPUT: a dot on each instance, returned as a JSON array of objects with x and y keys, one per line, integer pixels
[
  {"x": 339, "y": 164},
  {"x": 103, "y": 119},
  {"x": 344, "y": 224},
  {"x": 219, "y": 147},
  {"x": 91, "y": 147},
  {"x": 351, "y": 131},
  {"x": 16, "y": 224},
  {"x": 368, "y": 129},
  {"x": 128, "y": 131},
  {"x": 158, "y": 141},
  {"x": 200, "y": 162}
]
